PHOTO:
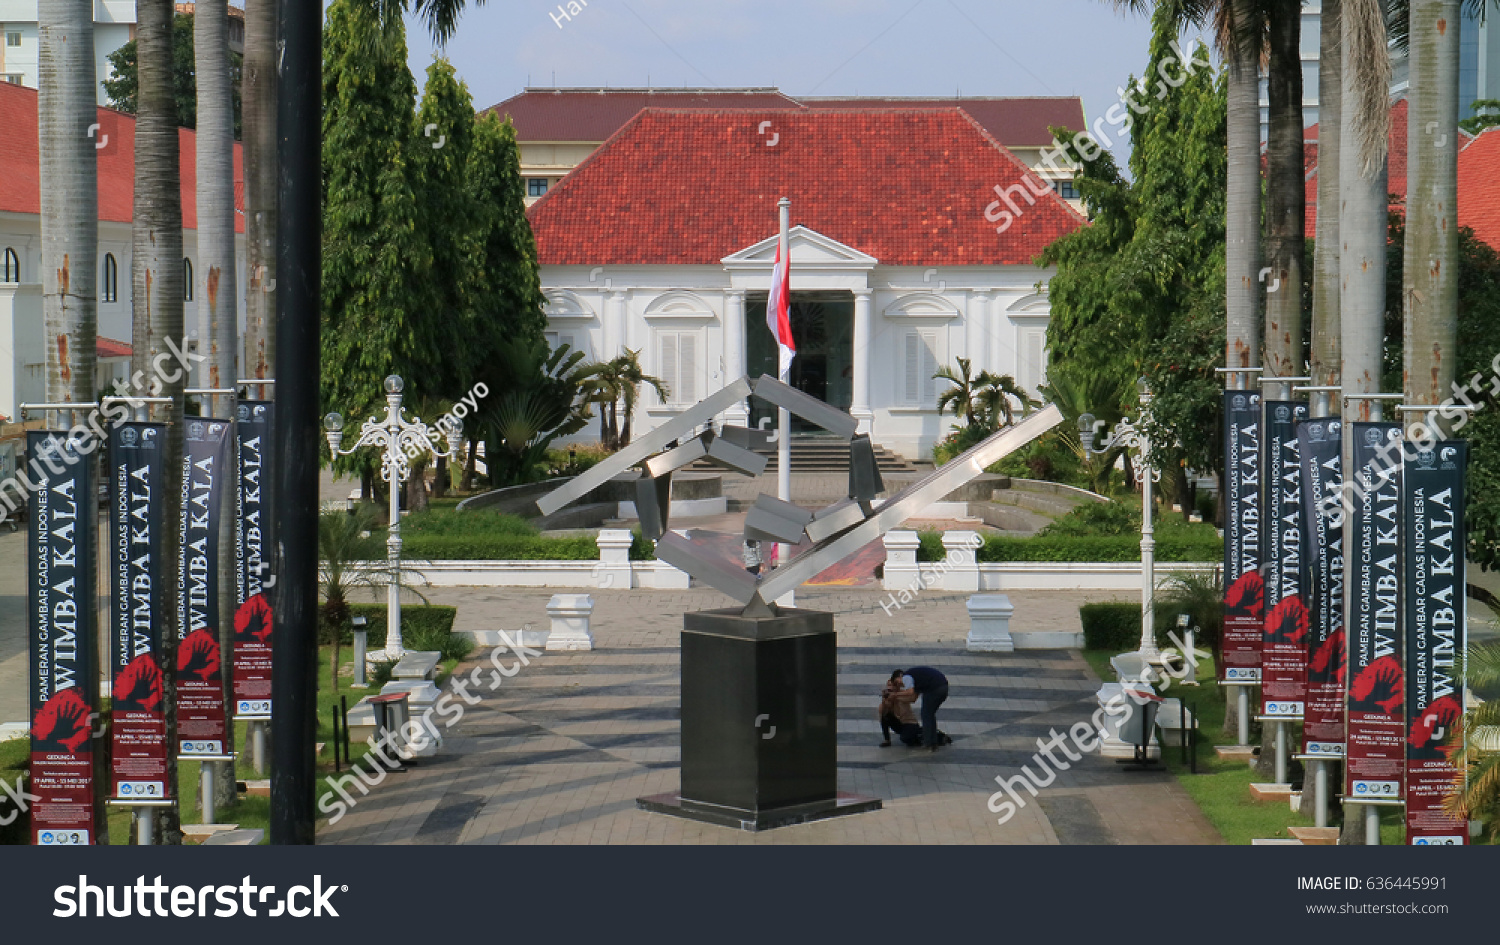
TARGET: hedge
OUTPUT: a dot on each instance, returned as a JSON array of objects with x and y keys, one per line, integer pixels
[
  {"x": 1111, "y": 626},
  {"x": 418, "y": 622},
  {"x": 1105, "y": 548},
  {"x": 420, "y": 548}
]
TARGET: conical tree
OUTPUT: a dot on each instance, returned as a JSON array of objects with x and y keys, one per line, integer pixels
[{"x": 378, "y": 317}]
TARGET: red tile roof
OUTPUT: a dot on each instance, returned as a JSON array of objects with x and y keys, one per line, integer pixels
[
  {"x": 20, "y": 189},
  {"x": 593, "y": 115},
  {"x": 1479, "y": 186},
  {"x": 109, "y": 348},
  {"x": 1396, "y": 174},
  {"x": 1014, "y": 122},
  {"x": 907, "y": 186}
]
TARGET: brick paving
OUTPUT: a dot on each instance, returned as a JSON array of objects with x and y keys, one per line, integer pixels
[{"x": 559, "y": 752}]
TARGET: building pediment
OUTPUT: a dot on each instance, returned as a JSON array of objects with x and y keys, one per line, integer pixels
[
  {"x": 922, "y": 305},
  {"x": 810, "y": 250},
  {"x": 562, "y": 303}
]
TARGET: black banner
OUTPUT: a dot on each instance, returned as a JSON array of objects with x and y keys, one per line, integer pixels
[
  {"x": 1375, "y": 759},
  {"x": 1244, "y": 588},
  {"x": 1433, "y": 529},
  {"x": 60, "y": 613},
  {"x": 252, "y": 540},
  {"x": 200, "y": 692},
  {"x": 137, "y": 577},
  {"x": 1283, "y": 687},
  {"x": 1321, "y": 443}
]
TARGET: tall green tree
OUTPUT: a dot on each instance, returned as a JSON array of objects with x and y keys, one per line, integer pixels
[
  {"x": 378, "y": 315},
  {"x": 123, "y": 87}
]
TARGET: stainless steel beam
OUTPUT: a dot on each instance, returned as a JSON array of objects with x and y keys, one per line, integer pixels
[
  {"x": 676, "y": 458},
  {"x": 721, "y": 575},
  {"x": 807, "y": 407},
  {"x": 647, "y": 444},
  {"x": 909, "y": 501}
]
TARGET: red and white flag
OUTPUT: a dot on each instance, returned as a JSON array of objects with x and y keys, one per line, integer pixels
[{"x": 778, "y": 312}]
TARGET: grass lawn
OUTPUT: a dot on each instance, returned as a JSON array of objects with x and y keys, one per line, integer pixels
[{"x": 1221, "y": 788}]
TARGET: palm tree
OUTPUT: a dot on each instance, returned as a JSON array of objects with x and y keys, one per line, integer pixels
[
  {"x": 1364, "y": 119},
  {"x": 350, "y": 559},
  {"x": 156, "y": 305},
  {"x": 1286, "y": 191},
  {"x": 218, "y": 302},
  {"x": 258, "y": 92},
  {"x": 1326, "y": 351},
  {"x": 961, "y": 398},
  {"x": 68, "y": 122},
  {"x": 1477, "y": 744},
  {"x": 993, "y": 396},
  {"x": 1430, "y": 298},
  {"x": 617, "y": 385}
]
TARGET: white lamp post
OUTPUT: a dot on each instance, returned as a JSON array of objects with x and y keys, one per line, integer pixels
[
  {"x": 1132, "y": 436},
  {"x": 401, "y": 440}
]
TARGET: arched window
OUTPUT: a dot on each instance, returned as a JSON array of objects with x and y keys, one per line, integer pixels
[
  {"x": 187, "y": 279},
  {"x": 12, "y": 269},
  {"x": 110, "y": 290}
]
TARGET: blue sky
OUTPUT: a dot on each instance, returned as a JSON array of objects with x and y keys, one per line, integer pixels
[{"x": 804, "y": 47}]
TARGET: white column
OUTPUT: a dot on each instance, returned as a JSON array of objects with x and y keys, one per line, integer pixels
[
  {"x": 960, "y": 561},
  {"x": 570, "y": 615},
  {"x": 989, "y": 624},
  {"x": 977, "y": 331},
  {"x": 864, "y": 335},
  {"x": 623, "y": 333},
  {"x": 901, "y": 569},
  {"x": 995, "y": 330},
  {"x": 734, "y": 351},
  {"x": 611, "y": 330}
]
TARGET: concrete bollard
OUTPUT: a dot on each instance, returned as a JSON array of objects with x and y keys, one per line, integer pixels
[
  {"x": 570, "y": 622},
  {"x": 901, "y": 572},
  {"x": 961, "y": 560},
  {"x": 613, "y": 570},
  {"x": 989, "y": 624}
]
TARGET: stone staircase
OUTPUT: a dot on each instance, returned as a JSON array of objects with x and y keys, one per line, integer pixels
[{"x": 826, "y": 455}]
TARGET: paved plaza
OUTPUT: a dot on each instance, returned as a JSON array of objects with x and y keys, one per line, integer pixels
[{"x": 559, "y": 753}]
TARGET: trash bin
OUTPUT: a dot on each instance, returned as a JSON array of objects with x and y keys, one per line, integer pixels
[
  {"x": 1136, "y": 727},
  {"x": 390, "y": 716}
]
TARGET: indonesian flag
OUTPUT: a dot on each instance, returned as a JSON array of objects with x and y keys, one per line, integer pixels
[{"x": 778, "y": 312}]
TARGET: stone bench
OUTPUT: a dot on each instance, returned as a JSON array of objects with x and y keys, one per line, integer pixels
[{"x": 417, "y": 665}]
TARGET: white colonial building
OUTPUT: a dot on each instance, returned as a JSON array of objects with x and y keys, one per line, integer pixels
[
  {"x": 22, "y": 353},
  {"x": 905, "y": 255}
]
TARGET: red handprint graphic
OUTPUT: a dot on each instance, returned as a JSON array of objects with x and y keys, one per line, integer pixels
[
  {"x": 138, "y": 686},
  {"x": 199, "y": 655},
  {"x": 1433, "y": 727},
  {"x": 252, "y": 622},
  {"x": 1327, "y": 664},
  {"x": 1246, "y": 597},
  {"x": 1287, "y": 622},
  {"x": 62, "y": 725},
  {"x": 1378, "y": 688}
]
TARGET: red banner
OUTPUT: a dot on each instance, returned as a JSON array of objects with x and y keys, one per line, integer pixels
[
  {"x": 1375, "y": 747},
  {"x": 1244, "y": 588},
  {"x": 136, "y": 576},
  {"x": 252, "y": 621},
  {"x": 200, "y": 683},
  {"x": 1283, "y": 685},
  {"x": 1433, "y": 529},
  {"x": 60, "y": 599}
]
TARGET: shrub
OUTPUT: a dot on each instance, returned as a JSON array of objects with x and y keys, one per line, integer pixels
[
  {"x": 424, "y": 621},
  {"x": 15, "y": 756},
  {"x": 931, "y": 546},
  {"x": 1096, "y": 518},
  {"x": 477, "y": 523},
  {"x": 641, "y": 547},
  {"x": 1111, "y": 626},
  {"x": 960, "y": 440},
  {"x": 500, "y": 548},
  {"x": 1101, "y": 548}
]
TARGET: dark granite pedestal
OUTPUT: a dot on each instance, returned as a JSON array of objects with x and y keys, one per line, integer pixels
[{"x": 759, "y": 722}]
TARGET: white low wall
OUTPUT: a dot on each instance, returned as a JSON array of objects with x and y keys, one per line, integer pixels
[{"x": 577, "y": 574}]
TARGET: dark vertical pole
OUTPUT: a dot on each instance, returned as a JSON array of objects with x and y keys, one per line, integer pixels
[{"x": 299, "y": 264}]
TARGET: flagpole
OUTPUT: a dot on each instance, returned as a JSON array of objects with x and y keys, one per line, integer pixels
[{"x": 783, "y": 416}]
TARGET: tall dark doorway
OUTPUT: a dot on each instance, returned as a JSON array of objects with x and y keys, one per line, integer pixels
[{"x": 823, "y": 328}]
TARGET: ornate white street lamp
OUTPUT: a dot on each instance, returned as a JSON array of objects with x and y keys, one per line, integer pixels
[
  {"x": 401, "y": 441},
  {"x": 1132, "y": 436}
]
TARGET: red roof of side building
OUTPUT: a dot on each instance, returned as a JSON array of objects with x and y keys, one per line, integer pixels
[
  {"x": 908, "y": 187},
  {"x": 592, "y": 115},
  {"x": 1396, "y": 170},
  {"x": 110, "y": 348},
  {"x": 1479, "y": 186},
  {"x": 20, "y": 187},
  {"x": 1014, "y": 122}
]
